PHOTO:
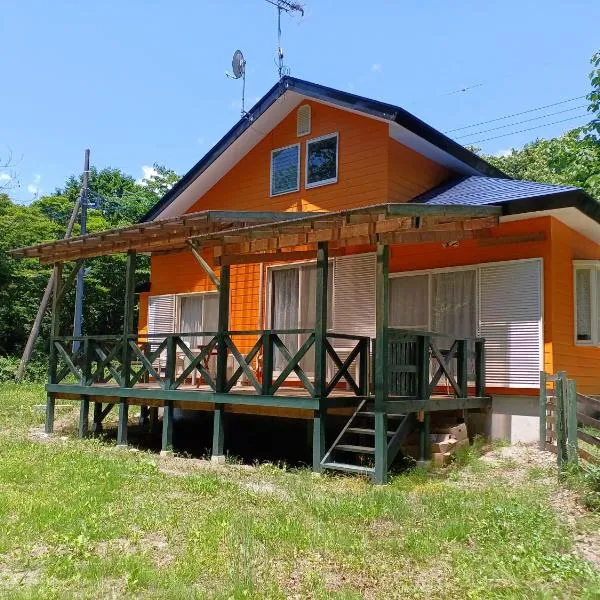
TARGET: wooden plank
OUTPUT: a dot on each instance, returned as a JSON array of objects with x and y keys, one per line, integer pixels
[
  {"x": 122, "y": 423},
  {"x": 589, "y": 401},
  {"x": 193, "y": 395},
  {"x": 588, "y": 457},
  {"x": 587, "y": 420},
  {"x": 571, "y": 421},
  {"x": 539, "y": 236},
  {"x": 435, "y": 404},
  {"x": 205, "y": 266},
  {"x": 588, "y": 439}
]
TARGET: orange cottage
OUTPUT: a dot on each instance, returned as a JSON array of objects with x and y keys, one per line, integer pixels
[{"x": 343, "y": 230}]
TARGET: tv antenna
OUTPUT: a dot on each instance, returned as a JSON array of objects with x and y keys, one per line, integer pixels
[
  {"x": 238, "y": 66},
  {"x": 290, "y": 8}
]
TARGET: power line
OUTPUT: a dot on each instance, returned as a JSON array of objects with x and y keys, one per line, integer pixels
[
  {"x": 528, "y": 129},
  {"x": 524, "y": 112},
  {"x": 558, "y": 112}
]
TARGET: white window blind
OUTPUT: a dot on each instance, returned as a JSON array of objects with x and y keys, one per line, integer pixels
[
  {"x": 510, "y": 320},
  {"x": 161, "y": 317},
  {"x": 354, "y": 295}
]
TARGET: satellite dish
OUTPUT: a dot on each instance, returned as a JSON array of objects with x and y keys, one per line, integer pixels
[{"x": 238, "y": 64}]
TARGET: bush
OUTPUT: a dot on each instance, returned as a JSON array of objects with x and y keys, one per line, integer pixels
[{"x": 36, "y": 372}]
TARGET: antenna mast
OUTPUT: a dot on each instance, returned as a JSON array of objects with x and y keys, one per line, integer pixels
[{"x": 290, "y": 8}]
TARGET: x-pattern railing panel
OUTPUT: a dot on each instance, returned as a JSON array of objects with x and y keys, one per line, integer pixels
[
  {"x": 293, "y": 363},
  {"x": 343, "y": 368},
  {"x": 244, "y": 364},
  {"x": 196, "y": 362}
]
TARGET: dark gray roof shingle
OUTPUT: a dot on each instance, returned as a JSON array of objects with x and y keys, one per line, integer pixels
[{"x": 477, "y": 191}]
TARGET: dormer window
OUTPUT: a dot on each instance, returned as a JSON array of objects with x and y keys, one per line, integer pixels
[
  {"x": 285, "y": 170},
  {"x": 322, "y": 160}
]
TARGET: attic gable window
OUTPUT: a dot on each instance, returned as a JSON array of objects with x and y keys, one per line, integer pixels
[
  {"x": 586, "y": 284},
  {"x": 322, "y": 160},
  {"x": 285, "y": 170}
]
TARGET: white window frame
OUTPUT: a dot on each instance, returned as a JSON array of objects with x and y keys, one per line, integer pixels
[
  {"x": 593, "y": 266},
  {"x": 297, "y": 189},
  {"x": 179, "y": 297},
  {"x": 337, "y": 161}
]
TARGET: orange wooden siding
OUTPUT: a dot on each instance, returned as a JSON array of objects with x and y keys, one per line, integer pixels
[
  {"x": 372, "y": 168},
  {"x": 410, "y": 173},
  {"x": 582, "y": 363}
]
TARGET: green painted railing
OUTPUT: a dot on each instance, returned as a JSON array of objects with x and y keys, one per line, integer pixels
[
  {"x": 275, "y": 358},
  {"x": 422, "y": 363}
]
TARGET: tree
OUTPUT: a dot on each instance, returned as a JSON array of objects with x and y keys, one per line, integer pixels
[
  {"x": 570, "y": 159},
  {"x": 594, "y": 96},
  {"x": 116, "y": 199}
]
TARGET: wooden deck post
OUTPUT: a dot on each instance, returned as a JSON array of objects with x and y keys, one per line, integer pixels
[
  {"x": 54, "y": 331},
  {"x": 218, "y": 455},
  {"x": 320, "y": 415},
  {"x": 128, "y": 318},
  {"x": 97, "y": 419},
  {"x": 167, "y": 431},
  {"x": 381, "y": 366}
]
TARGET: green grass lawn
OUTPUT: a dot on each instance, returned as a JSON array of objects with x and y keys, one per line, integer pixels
[{"x": 83, "y": 519}]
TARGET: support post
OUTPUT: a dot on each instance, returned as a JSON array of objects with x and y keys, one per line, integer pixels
[
  {"x": 480, "y": 368},
  {"x": 84, "y": 415},
  {"x": 267, "y": 363},
  {"x": 54, "y": 332},
  {"x": 381, "y": 366},
  {"x": 97, "y": 419},
  {"x": 462, "y": 362},
  {"x": 218, "y": 453},
  {"x": 122, "y": 425},
  {"x": 167, "y": 431},
  {"x": 571, "y": 408},
  {"x": 559, "y": 415},
  {"x": 128, "y": 313},
  {"x": 320, "y": 415},
  {"x": 128, "y": 316},
  {"x": 424, "y": 440},
  {"x": 221, "y": 379},
  {"x": 543, "y": 409}
]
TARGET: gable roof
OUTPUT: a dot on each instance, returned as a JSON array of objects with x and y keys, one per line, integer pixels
[{"x": 404, "y": 127}]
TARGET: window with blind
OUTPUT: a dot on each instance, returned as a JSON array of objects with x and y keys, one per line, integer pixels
[
  {"x": 586, "y": 286},
  {"x": 501, "y": 302}
]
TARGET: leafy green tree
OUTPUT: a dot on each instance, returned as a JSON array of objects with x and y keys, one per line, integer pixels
[{"x": 116, "y": 199}]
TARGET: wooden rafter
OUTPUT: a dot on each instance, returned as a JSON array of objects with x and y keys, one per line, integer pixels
[{"x": 232, "y": 233}]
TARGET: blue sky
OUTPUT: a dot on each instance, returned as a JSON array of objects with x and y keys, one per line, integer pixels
[{"x": 143, "y": 81}]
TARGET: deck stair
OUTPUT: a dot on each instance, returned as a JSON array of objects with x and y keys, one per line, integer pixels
[{"x": 353, "y": 450}]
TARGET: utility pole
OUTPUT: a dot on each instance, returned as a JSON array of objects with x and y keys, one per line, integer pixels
[
  {"x": 37, "y": 323},
  {"x": 79, "y": 290}
]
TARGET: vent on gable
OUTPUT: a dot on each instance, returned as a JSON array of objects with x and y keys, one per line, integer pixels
[{"x": 303, "y": 123}]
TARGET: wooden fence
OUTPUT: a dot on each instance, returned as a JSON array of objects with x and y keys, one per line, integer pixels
[{"x": 569, "y": 422}]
